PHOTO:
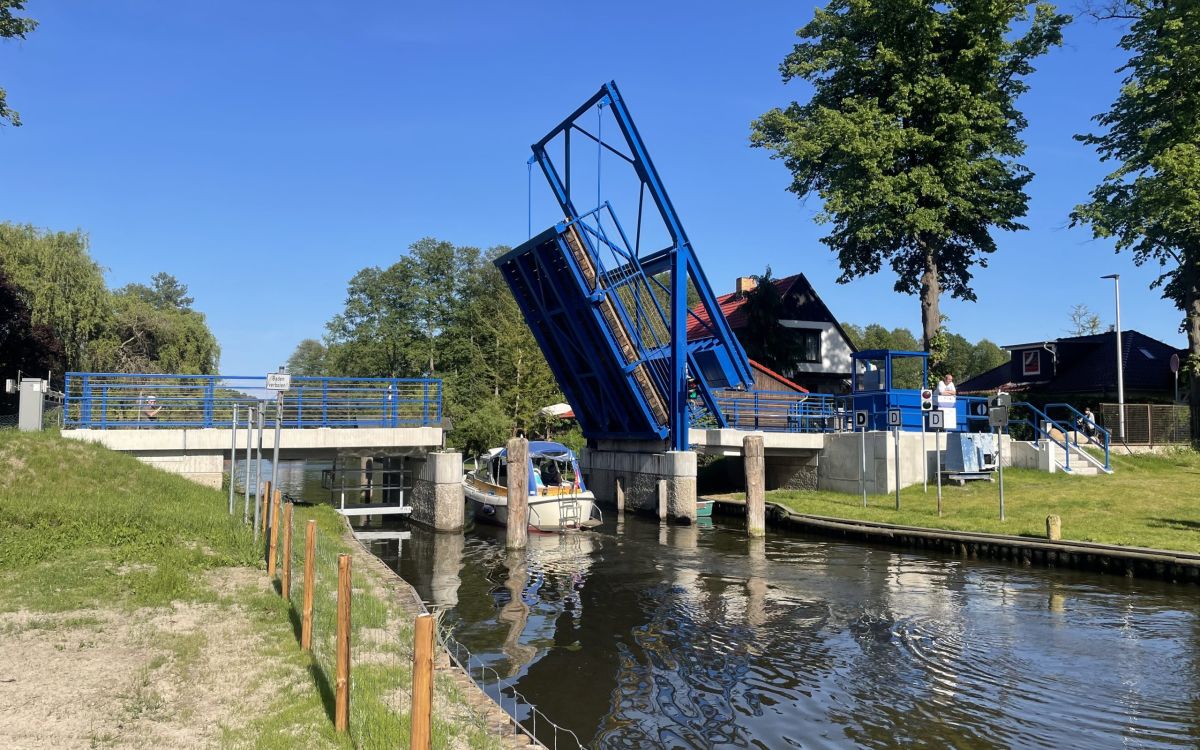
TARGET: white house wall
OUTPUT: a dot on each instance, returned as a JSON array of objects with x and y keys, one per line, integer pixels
[{"x": 835, "y": 350}]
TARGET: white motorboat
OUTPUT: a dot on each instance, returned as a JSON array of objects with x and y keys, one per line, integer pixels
[{"x": 558, "y": 500}]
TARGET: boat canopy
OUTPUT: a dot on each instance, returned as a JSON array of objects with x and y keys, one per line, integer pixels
[{"x": 545, "y": 449}]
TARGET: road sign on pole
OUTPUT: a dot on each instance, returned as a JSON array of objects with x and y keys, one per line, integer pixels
[
  {"x": 279, "y": 381},
  {"x": 935, "y": 420},
  {"x": 895, "y": 418},
  {"x": 860, "y": 419}
]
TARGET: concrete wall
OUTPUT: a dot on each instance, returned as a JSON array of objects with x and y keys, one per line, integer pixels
[
  {"x": 205, "y": 469},
  {"x": 437, "y": 495},
  {"x": 839, "y": 463},
  {"x": 639, "y": 474}
]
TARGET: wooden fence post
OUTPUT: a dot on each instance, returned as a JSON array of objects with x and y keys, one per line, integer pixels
[
  {"x": 264, "y": 506},
  {"x": 306, "y": 612},
  {"x": 285, "y": 587},
  {"x": 341, "y": 693},
  {"x": 421, "y": 719},
  {"x": 273, "y": 548}
]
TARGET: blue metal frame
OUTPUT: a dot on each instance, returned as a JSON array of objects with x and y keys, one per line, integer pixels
[
  {"x": 574, "y": 301},
  {"x": 194, "y": 401}
]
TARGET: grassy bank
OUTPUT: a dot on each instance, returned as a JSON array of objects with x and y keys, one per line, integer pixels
[
  {"x": 1149, "y": 501},
  {"x": 141, "y": 587}
]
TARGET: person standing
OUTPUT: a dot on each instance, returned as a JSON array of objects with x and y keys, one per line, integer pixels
[{"x": 945, "y": 386}]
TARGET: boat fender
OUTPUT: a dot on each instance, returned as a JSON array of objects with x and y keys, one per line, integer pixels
[{"x": 487, "y": 510}]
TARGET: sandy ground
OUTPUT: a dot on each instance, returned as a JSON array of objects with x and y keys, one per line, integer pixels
[{"x": 162, "y": 678}]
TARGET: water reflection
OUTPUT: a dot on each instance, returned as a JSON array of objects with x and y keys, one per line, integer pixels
[{"x": 640, "y": 635}]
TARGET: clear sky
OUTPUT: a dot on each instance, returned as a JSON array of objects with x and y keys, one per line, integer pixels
[{"x": 265, "y": 151}]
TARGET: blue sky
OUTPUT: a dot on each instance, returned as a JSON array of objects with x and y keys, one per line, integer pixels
[{"x": 263, "y": 152}]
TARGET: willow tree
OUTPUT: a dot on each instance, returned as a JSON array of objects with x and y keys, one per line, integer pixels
[
  {"x": 911, "y": 135},
  {"x": 1150, "y": 203}
]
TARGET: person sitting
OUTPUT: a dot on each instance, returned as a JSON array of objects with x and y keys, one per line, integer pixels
[{"x": 1087, "y": 423}]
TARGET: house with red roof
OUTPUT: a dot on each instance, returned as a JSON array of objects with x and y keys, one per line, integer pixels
[{"x": 823, "y": 364}]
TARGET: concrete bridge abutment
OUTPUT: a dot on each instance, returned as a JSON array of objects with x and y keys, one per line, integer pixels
[
  {"x": 437, "y": 495},
  {"x": 640, "y": 468}
]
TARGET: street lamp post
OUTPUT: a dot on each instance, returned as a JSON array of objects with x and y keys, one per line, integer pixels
[{"x": 1116, "y": 277}]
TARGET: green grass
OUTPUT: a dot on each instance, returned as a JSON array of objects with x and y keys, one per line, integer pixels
[
  {"x": 85, "y": 528},
  {"x": 1149, "y": 501}
]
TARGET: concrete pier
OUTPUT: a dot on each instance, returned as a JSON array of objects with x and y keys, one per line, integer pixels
[
  {"x": 638, "y": 472},
  {"x": 437, "y": 495}
]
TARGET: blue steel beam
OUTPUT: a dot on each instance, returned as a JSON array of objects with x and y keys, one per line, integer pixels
[{"x": 726, "y": 361}]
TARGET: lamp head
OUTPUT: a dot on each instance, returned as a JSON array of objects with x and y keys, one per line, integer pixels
[{"x": 1112, "y": 276}]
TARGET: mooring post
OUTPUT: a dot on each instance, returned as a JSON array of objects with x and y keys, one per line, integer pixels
[
  {"x": 306, "y": 610},
  {"x": 232, "y": 455},
  {"x": 1053, "y": 528},
  {"x": 754, "y": 459},
  {"x": 662, "y": 499},
  {"x": 620, "y": 484},
  {"x": 422, "y": 684},
  {"x": 341, "y": 695},
  {"x": 517, "y": 532},
  {"x": 285, "y": 587}
]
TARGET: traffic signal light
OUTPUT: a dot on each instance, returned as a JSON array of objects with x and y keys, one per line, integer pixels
[{"x": 926, "y": 400}]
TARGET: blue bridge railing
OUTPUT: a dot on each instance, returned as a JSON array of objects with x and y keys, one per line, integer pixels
[
  {"x": 105, "y": 400},
  {"x": 779, "y": 411}
]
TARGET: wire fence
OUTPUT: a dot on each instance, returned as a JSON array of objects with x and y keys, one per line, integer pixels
[{"x": 1150, "y": 424}]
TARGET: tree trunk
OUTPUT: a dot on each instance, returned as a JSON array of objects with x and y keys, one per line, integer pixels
[
  {"x": 1192, "y": 312},
  {"x": 931, "y": 291}
]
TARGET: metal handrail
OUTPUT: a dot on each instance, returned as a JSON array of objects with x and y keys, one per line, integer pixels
[
  {"x": 1081, "y": 417},
  {"x": 145, "y": 400},
  {"x": 1039, "y": 430}
]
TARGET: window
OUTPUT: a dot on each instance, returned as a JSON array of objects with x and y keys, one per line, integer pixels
[
  {"x": 809, "y": 345},
  {"x": 1031, "y": 362},
  {"x": 1146, "y": 353}
]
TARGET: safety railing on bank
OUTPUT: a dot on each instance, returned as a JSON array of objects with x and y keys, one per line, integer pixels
[
  {"x": 1062, "y": 433},
  {"x": 119, "y": 400}
]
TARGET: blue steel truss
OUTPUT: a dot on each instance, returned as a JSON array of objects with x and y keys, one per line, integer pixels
[{"x": 612, "y": 317}]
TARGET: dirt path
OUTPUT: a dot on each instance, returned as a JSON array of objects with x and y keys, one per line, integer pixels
[{"x": 160, "y": 678}]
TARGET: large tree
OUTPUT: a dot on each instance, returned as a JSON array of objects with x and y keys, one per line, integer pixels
[
  {"x": 12, "y": 26},
  {"x": 911, "y": 135},
  {"x": 1150, "y": 203}
]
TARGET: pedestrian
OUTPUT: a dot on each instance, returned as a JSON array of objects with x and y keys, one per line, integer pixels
[{"x": 151, "y": 409}]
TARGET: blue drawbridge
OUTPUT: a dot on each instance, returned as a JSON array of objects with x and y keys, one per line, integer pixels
[{"x": 609, "y": 303}]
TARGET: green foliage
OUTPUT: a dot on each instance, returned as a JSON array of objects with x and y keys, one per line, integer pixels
[
  {"x": 1084, "y": 322},
  {"x": 60, "y": 283},
  {"x": 164, "y": 293},
  {"x": 150, "y": 333},
  {"x": 12, "y": 26},
  {"x": 308, "y": 359},
  {"x": 959, "y": 357},
  {"x": 1150, "y": 203},
  {"x": 911, "y": 134},
  {"x": 768, "y": 342},
  {"x": 23, "y": 345},
  {"x": 446, "y": 312}
]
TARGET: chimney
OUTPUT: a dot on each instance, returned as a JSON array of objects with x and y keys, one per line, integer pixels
[{"x": 745, "y": 284}]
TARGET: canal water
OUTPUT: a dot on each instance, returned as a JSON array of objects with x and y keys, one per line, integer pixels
[{"x": 639, "y": 635}]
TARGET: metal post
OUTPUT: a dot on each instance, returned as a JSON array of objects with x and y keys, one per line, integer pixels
[
  {"x": 258, "y": 507},
  {"x": 924, "y": 457},
  {"x": 246, "y": 479},
  {"x": 232, "y": 455},
  {"x": 275, "y": 449},
  {"x": 897, "y": 432},
  {"x": 863, "y": 468},
  {"x": 937, "y": 442},
  {"x": 1116, "y": 277},
  {"x": 1000, "y": 468}
]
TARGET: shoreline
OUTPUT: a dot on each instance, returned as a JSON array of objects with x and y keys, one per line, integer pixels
[{"x": 1113, "y": 559}]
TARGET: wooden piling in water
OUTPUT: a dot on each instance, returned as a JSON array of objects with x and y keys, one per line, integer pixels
[
  {"x": 273, "y": 544},
  {"x": 421, "y": 720},
  {"x": 754, "y": 458},
  {"x": 662, "y": 499},
  {"x": 620, "y": 486},
  {"x": 310, "y": 561},
  {"x": 285, "y": 587},
  {"x": 517, "y": 534},
  {"x": 341, "y": 691}
]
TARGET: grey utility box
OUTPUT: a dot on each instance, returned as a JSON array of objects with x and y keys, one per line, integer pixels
[{"x": 33, "y": 398}]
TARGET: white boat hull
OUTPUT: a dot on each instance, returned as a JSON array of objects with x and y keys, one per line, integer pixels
[{"x": 546, "y": 512}]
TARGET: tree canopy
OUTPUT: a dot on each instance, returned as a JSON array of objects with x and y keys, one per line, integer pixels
[
  {"x": 911, "y": 135},
  {"x": 1150, "y": 202},
  {"x": 12, "y": 26}
]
